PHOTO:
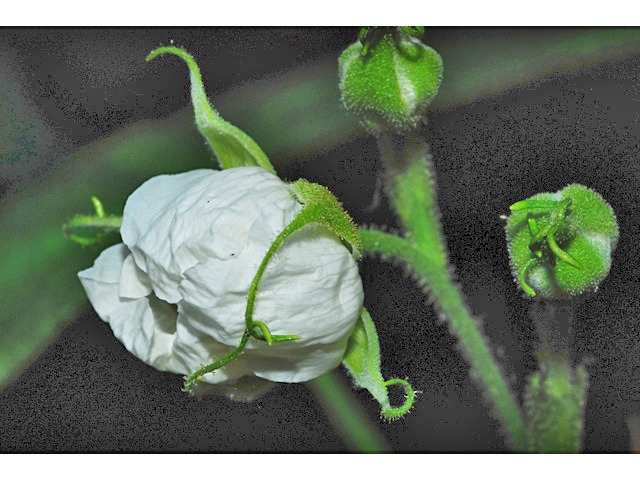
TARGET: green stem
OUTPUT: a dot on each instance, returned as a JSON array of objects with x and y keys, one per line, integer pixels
[
  {"x": 346, "y": 416},
  {"x": 410, "y": 184},
  {"x": 300, "y": 221},
  {"x": 463, "y": 326}
]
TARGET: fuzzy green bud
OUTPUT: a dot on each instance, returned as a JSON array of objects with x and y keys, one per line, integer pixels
[
  {"x": 560, "y": 244},
  {"x": 388, "y": 81}
]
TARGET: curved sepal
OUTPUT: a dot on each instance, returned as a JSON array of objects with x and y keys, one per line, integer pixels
[
  {"x": 321, "y": 207},
  {"x": 232, "y": 146},
  {"x": 362, "y": 361}
]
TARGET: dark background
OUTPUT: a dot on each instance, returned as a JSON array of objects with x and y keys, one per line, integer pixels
[{"x": 85, "y": 392}]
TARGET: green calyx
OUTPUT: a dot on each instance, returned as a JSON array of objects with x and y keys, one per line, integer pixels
[
  {"x": 320, "y": 207},
  {"x": 560, "y": 244},
  {"x": 89, "y": 229},
  {"x": 232, "y": 146},
  {"x": 388, "y": 78}
]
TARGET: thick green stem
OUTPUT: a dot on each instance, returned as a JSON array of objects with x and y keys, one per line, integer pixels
[
  {"x": 353, "y": 426},
  {"x": 410, "y": 186}
]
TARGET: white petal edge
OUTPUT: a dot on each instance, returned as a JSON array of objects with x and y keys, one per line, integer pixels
[{"x": 144, "y": 325}]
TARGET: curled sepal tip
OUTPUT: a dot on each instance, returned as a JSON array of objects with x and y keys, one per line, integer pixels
[
  {"x": 391, "y": 413},
  {"x": 89, "y": 229},
  {"x": 362, "y": 361},
  {"x": 232, "y": 146},
  {"x": 561, "y": 244}
]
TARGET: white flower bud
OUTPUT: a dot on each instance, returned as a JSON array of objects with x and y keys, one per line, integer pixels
[{"x": 175, "y": 292}]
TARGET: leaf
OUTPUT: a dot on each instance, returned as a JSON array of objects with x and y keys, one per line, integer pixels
[
  {"x": 232, "y": 146},
  {"x": 362, "y": 361}
]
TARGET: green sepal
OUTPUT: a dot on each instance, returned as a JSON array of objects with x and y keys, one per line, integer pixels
[
  {"x": 554, "y": 400},
  {"x": 389, "y": 82},
  {"x": 321, "y": 207},
  {"x": 232, "y": 146},
  {"x": 561, "y": 244},
  {"x": 89, "y": 229},
  {"x": 362, "y": 361}
]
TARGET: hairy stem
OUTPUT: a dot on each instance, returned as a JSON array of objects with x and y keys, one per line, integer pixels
[
  {"x": 410, "y": 185},
  {"x": 463, "y": 326}
]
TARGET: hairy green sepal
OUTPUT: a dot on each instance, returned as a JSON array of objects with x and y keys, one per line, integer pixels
[
  {"x": 554, "y": 400},
  {"x": 319, "y": 207},
  {"x": 232, "y": 146},
  {"x": 389, "y": 82},
  {"x": 561, "y": 244},
  {"x": 362, "y": 361},
  {"x": 89, "y": 229}
]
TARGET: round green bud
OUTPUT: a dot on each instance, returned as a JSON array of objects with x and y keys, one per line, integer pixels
[
  {"x": 560, "y": 244},
  {"x": 389, "y": 81}
]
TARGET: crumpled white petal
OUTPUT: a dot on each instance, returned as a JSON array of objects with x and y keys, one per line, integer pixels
[
  {"x": 304, "y": 279},
  {"x": 175, "y": 293},
  {"x": 145, "y": 325},
  {"x": 148, "y": 327},
  {"x": 172, "y": 222}
]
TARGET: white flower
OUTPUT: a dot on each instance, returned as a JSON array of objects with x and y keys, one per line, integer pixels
[{"x": 175, "y": 292}]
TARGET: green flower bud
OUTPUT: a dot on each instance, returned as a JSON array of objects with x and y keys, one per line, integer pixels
[
  {"x": 560, "y": 244},
  {"x": 389, "y": 79}
]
